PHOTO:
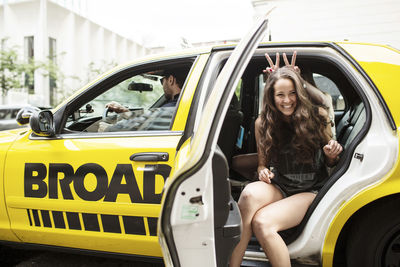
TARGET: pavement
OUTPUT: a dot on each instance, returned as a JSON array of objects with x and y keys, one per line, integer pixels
[{"x": 10, "y": 257}]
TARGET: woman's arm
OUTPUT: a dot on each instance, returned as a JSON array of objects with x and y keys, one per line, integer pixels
[
  {"x": 318, "y": 96},
  {"x": 264, "y": 174},
  {"x": 332, "y": 149}
]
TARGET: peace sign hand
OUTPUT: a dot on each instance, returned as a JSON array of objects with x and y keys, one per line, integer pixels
[
  {"x": 293, "y": 63},
  {"x": 272, "y": 67}
]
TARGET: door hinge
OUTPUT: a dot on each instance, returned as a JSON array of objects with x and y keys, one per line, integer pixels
[{"x": 196, "y": 200}]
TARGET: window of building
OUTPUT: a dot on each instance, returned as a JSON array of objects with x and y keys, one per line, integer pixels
[
  {"x": 29, "y": 56},
  {"x": 52, "y": 77},
  {"x": 3, "y": 43}
]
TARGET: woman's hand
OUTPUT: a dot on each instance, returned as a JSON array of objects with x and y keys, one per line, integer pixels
[
  {"x": 293, "y": 63},
  {"x": 273, "y": 67},
  {"x": 332, "y": 151},
  {"x": 265, "y": 175}
]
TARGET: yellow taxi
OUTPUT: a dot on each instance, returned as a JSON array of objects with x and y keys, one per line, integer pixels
[{"x": 85, "y": 178}]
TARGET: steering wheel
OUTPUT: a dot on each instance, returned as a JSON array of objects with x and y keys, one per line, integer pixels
[{"x": 105, "y": 116}]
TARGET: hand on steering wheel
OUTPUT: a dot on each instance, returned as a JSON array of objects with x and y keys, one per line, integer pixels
[
  {"x": 105, "y": 114},
  {"x": 113, "y": 107},
  {"x": 117, "y": 107}
]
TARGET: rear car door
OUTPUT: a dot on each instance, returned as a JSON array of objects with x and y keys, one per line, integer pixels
[
  {"x": 97, "y": 184},
  {"x": 200, "y": 223}
]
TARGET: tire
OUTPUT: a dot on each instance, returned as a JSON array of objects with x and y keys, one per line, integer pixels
[{"x": 374, "y": 238}]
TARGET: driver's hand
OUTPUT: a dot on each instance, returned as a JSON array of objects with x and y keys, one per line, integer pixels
[{"x": 116, "y": 107}]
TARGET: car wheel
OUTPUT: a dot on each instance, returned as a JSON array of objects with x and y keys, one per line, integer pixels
[{"x": 374, "y": 239}]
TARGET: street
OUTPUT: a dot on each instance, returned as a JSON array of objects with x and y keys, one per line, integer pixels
[{"x": 24, "y": 258}]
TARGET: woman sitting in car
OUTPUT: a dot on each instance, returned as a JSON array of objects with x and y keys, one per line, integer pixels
[{"x": 295, "y": 147}]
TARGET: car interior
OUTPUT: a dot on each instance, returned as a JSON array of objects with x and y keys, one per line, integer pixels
[
  {"x": 237, "y": 137},
  {"x": 139, "y": 91}
]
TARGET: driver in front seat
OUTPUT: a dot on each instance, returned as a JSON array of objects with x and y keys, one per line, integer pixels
[{"x": 172, "y": 83}]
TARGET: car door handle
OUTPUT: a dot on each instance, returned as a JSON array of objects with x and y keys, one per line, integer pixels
[{"x": 150, "y": 156}]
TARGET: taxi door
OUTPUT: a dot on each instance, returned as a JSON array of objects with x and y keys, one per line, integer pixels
[
  {"x": 200, "y": 223},
  {"x": 94, "y": 191}
]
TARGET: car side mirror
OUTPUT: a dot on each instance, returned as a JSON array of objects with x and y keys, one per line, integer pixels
[
  {"x": 133, "y": 86},
  {"x": 24, "y": 114},
  {"x": 42, "y": 123}
]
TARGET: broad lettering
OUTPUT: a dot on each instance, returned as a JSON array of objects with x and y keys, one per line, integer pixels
[{"x": 123, "y": 181}]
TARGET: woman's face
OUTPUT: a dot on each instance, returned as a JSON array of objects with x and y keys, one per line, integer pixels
[{"x": 285, "y": 96}]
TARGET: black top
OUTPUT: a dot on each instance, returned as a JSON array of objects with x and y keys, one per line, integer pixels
[
  {"x": 295, "y": 177},
  {"x": 171, "y": 102}
]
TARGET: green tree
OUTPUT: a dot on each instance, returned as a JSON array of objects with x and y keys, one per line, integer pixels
[
  {"x": 15, "y": 74},
  {"x": 95, "y": 70},
  {"x": 11, "y": 70}
]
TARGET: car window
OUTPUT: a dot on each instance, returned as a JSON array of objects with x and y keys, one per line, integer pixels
[
  {"x": 142, "y": 94},
  {"x": 129, "y": 95},
  {"x": 328, "y": 86}
]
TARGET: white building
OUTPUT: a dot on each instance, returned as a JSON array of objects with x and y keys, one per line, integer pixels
[
  {"x": 49, "y": 28},
  {"x": 325, "y": 20}
]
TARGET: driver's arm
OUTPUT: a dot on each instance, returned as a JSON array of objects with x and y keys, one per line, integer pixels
[
  {"x": 125, "y": 113},
  {"x": 116, "y": 107}
]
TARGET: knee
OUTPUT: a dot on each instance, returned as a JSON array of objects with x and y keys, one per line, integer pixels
[
  {"x": 263, "y": 225},
  {"x": 247, "y": 197}
]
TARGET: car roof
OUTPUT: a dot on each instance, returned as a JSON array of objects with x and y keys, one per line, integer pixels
[{"x": 201, "y": 50}]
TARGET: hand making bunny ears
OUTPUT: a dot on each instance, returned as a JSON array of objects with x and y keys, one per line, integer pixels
[{"x": 273, "y": 67}]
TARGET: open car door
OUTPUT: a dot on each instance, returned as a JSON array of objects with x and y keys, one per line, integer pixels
[{"x": 200, "y": 224}]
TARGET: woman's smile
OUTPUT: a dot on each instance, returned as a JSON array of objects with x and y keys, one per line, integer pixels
[{"x": 285, "y": 96}]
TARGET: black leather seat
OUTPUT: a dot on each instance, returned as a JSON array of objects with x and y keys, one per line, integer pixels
[
  {"x": 350, "y": 124},
  {"x": 230, "y": 129}
]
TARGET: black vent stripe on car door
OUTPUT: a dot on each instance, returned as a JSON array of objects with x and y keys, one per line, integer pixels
[
  {"x": 90, "y": 222},
  {"x": 58, "y": 219},
  {"x": 107, "y": 223},
  {"x": 46, "y": 218}
]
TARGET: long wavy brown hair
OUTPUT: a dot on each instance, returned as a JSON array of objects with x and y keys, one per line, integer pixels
[{"x": 306, "y": 122}]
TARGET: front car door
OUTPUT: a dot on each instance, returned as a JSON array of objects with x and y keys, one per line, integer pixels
[
  {"x": 192, "y": 232},
  {"x": 97, "y": 184}
]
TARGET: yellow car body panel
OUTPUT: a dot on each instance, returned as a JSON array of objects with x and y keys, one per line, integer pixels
[
  {"x": 30, "y": 205},
  {"x": 382, "y": 65},
  {"x": 6, "y": 140},
  {"x": 390, "y": 185}
]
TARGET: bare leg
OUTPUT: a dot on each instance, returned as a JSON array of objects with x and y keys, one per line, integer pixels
[
  {"x": 254, "y": 197},
  {"x": 278, "y": 216}
]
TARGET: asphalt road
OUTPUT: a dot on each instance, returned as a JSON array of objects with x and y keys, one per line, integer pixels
[{"x": 24, "y": 258}]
